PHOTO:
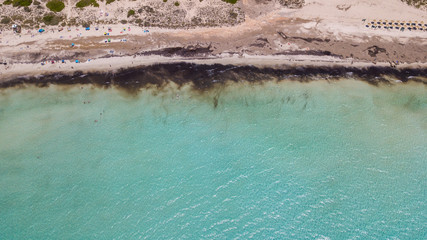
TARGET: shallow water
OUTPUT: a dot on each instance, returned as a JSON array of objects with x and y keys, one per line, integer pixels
[{"x": 339, "y": 160}]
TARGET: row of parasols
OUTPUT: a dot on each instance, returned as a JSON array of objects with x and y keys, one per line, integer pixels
[{"x": 401, "y": 25}]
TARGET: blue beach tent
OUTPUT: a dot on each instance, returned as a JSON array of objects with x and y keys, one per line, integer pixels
[
  {"x": 41, "y": 30},
  {"x": 88, "y": 28},
  {"x": 77, "y": 61}
]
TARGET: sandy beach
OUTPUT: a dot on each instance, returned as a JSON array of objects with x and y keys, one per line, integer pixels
[{"x": 336, "y": 33}]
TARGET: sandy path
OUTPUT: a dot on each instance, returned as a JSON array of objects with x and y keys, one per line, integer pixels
[{"x": 68, "y": 9}]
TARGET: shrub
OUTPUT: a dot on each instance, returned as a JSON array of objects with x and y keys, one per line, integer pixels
[
  {"x": 230, "y": 1},
  {"x": 124, "y": 21},
  {"x": 85, "y": 3},
  {"x": 109, "y": 1},
  {"x": 55, "y": 5},
  {"x": 7, "y": 2},
  {"x": 131, "y": 12},
  {"x": 416, "y": 3},
  {"x": 36, "y": 3},
  {"x": 50, "y": 19},
  {"x": 176, "y": 4},
  {"x": 5, "y": 20},
  {"x": 27, "y": 9},
  {"x": 165, "y": 0},
  {"x": 22, "y": 3}
]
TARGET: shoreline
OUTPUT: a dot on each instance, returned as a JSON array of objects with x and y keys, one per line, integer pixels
[
  {"x": 11, "y": 72},
  {"x": 204, "y": 74}
]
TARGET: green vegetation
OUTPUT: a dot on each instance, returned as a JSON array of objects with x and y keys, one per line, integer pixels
[
  {"x": 230, "y": 1},
  {"x": 131, "y": 13},
  {"x": 109, "y": 1},
  {"x": 165, "y": 0},
  {"x": 36, "y": 3},
  {"x": 176, "y": 4},
  {"x": 5, "y": 20},
  {"x": 416, "y": 3},
  {"x": 55, "y": 5},
  {"x": 18, "y": 3},
  {"x": 22, "y": 3},
  {"x": 50, "y": 19},
  {"x": 85, "y": 3}
]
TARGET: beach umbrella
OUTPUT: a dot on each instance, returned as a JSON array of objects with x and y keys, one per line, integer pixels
[
  {"x": 72, "y": 44},
  {"x": 63, "y": 61},
  {"x": 77, "y": 61},
  {"x": 88, "y": 28}
]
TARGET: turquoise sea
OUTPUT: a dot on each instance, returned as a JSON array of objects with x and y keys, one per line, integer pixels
[{"x": 288, "y": 160}]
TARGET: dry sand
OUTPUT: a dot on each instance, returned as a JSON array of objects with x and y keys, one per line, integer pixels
[{"x": 321, "y": 33}]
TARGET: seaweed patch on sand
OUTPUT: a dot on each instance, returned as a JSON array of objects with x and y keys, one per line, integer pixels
[{"x": 203, "y": 77}]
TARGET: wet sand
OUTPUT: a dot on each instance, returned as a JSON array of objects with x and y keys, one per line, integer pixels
[{"x": 203, "y": 77}]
